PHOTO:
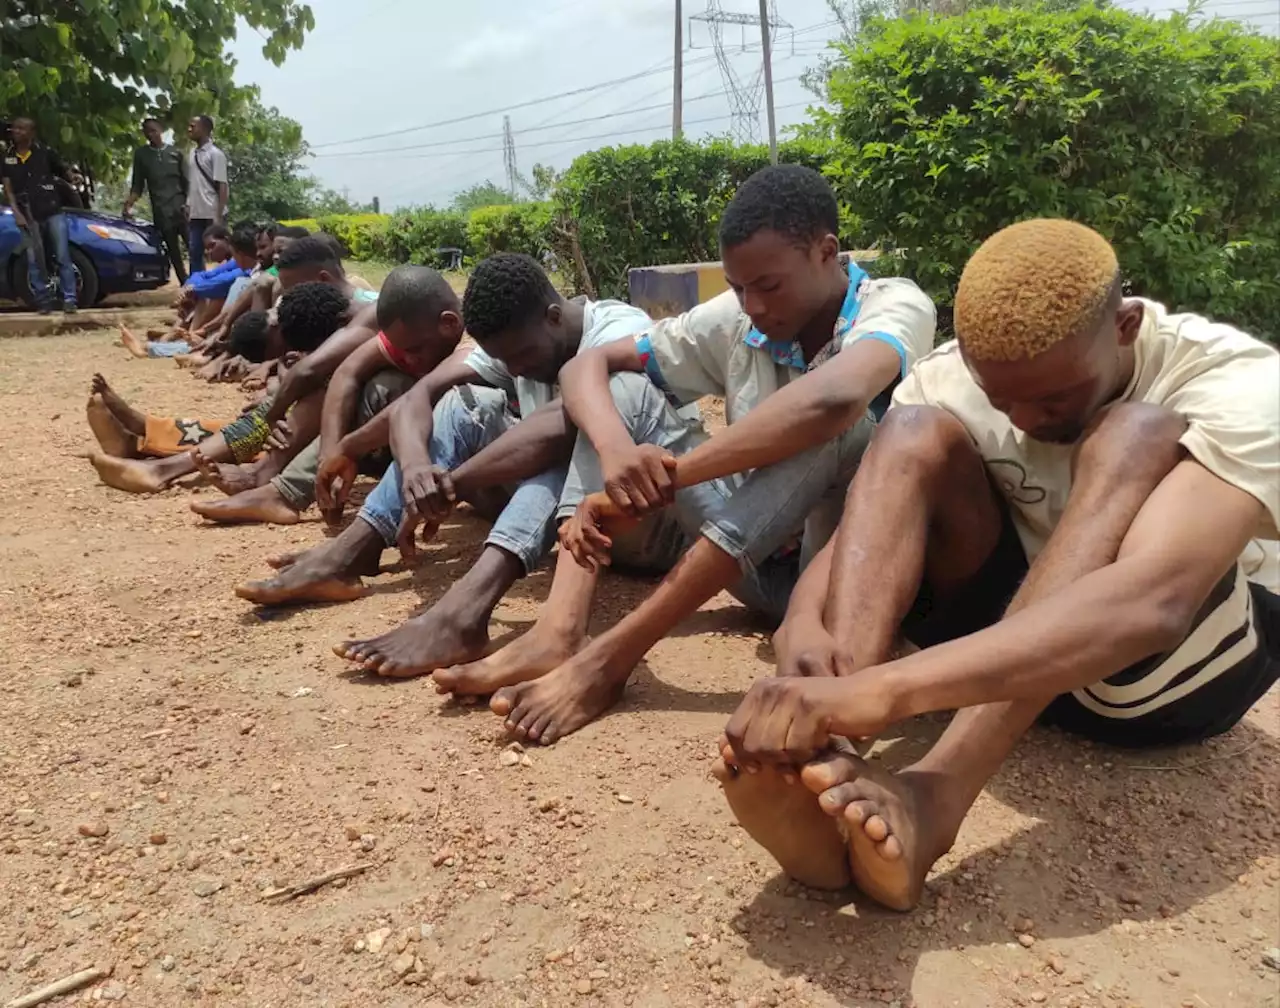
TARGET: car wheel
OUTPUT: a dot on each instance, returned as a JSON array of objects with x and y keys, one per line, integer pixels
[{"x": 86, "y": 280}]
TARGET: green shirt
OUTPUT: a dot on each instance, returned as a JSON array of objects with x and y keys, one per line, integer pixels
[{"x": 162, "y": 171}]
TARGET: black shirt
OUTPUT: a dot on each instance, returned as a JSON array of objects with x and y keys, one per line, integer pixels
[{"x": 34, "y": 179}]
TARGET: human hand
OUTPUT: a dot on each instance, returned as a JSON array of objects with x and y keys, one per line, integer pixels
[
  {"x": 639, "y": 479},
  {"x": 790, "y": 720},
  {"x": 588, "y": 533},
  {"x": 805, "y": 649},
  {"x": 429, "y": 495},
  {"x": 281, "y": 435},
  {"x": 18, "y": 219},
  {"x": 334, "y": 479}
]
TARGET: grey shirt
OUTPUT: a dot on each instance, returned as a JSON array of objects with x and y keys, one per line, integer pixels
[{"x": 206, "y": 165}]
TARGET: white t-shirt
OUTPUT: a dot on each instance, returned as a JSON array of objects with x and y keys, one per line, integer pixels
[
  {"x": 602, "y": 322},
  {"x": 712, "y": 349},
  {"x": 1227, "y": 386},
  {"x": 202, "y": 195}
]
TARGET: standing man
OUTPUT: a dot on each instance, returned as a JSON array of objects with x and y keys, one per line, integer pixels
[
  {"x": 158, "y": 167},
  {"x": 206, "y": 187},
  {"x": 30, "y": 171}
]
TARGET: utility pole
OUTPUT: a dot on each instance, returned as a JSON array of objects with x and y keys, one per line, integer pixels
[
  {"x": 743, "y": 92},
  {"x": 677, "y": 90},
  {"x": 509, "y": 158},
  {"x": 768, "y": 80}
]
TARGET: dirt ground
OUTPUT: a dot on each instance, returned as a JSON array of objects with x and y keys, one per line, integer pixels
[{"x": 223, "y": 751}]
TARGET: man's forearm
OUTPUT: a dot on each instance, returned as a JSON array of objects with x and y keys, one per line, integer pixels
[
  {"x": 338, "y": 412},
  {"x": 809, "y": 597},
  {"x": 542, "y": 441},
  {"x": 223, "y": 193},
  {"x": 1100, "y": 624},
  {"x": 367, "y": 439},
  {"x": 589, "y": 404},
  {"x": 410, "y": 425}
]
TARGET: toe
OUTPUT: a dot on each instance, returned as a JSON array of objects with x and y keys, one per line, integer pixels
[
  {"x": 829, "y": 771},
  {"x": 857, "y": 812},
  {"x": 503, "y": 702},
  {"x": 836, "y": 799},
  {"x": 876, "y": 828}
]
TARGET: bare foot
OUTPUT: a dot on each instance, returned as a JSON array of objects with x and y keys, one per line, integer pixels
[
  {"x": 433, "y": 640},
  {"x": 112, "y": 437},
  {"x": 894, "y": 824},
  {"x": 129, "y": 418},
  {"x": 131, "y": 343},
  {"x": 328, "y": 573},
  {"x": 263, "y": 505},
  {"x": 782, "y": 816},
  {"x": 564, "y": 700},
  {"x": 528, "y": 657},
  {"x": 131, "y": 475},
  {"x": 228, "y": 477}
]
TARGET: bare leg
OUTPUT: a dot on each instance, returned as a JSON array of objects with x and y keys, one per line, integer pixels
[
  {"x": 142, "y": 476},
  {"x": 454, "y": 630},
  {"x": 328, "y": 573},
  {"x": 592, "y": 681},
  {"x": 131, "y": 343},
  {"x": 559, "y": 633},
  {"x": 129, "y": 418},
  {"x": 112, "y": 437},
  {"x": 899, "y": 825}
]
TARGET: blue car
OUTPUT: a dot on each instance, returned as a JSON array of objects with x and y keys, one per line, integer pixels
[{"x": 112, "y": 255}]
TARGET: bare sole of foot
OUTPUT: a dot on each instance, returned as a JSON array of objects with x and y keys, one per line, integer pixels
[
  {"x": 420, "y": 646},
  {"x": 558, "y": 704},
  {"x": 525, "y": 658},
  {"x": 314, "y": 575},
  {"x": 111, "y": 435},
  {"x": 263, "y": 506},
  {"x": 130, "y": 475},
  {"x": 882, "y": 816},
  {"x": 784, "y": 818},
  {"x": 131, "y": 343},
  {"x": 129, "y": 418}
]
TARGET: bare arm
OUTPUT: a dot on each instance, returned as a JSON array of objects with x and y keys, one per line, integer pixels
[
  {"x": 343, "y": 393},
  {"x": 1186, "y": 537},
  {"x": 223, "y": 192},
  {"x": 584, "y": 385},
  {"x": 12, "y": 200},
  {"x": 540, "y": 441},
  {"x": 313, "y": 371},
  {"x": 814, "y": 409},
  {"x": 410, "y": 418}
]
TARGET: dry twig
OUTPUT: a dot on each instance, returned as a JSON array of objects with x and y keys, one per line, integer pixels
[
  {"x": 64, "y": 986},
  {"x": 311, "y": 885}
]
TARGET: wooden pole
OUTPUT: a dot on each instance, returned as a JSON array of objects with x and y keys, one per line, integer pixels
[{"x": 768, "y": 81}]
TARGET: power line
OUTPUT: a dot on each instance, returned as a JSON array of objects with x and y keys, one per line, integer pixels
[
  {"x": 602, "y": 85},
  {"x": 532, "y": 129}
]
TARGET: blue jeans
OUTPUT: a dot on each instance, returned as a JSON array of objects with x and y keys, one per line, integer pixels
[
  {"x": 755, "y": 519},
  {"x": 195, "y": 242},
  {"x": 53, "y": 232},
  {"x": 175, "y": 348},
  {"x": 466, "y": 420}
]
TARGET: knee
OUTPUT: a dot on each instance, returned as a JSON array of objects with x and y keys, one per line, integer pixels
[
  {"x": 923, "y": 438},
  {"x": 1133, "y": 438}
]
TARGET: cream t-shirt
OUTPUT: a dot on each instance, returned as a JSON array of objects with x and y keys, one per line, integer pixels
[{"x": 1224, "y": 382}]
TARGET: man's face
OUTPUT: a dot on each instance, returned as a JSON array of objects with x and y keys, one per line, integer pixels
[
  {"x": 22, "y": 131},
  {"x": 266, "y": 249},
  {"x": 534, "y": 350},
  {"x": 425, "y": 345},
  {"x": 217, "y": 250},
  {"x": 153, "y": 133},
  {"x": 781, "y": 285},
  {"x": 195, "y": 130},
  {"x": 1053, "y": 397},
  {"x": 278, "y": 244},
  {"x": 307, "y": 273}
]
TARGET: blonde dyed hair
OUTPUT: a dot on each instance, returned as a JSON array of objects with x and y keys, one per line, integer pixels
[{"x": 1031, "y": 286}]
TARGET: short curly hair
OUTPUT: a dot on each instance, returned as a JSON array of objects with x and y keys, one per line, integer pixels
[
  {"x": 793, "y": 200},
  {"x": 314, "y": 250},
  {"x": 414, "y": 295},
  {"x": 1031, "y": 286},
  {"x": 311, "y": 313},
  {"x": 249, "y": 336},
  {"x": 506, "y": 291}
]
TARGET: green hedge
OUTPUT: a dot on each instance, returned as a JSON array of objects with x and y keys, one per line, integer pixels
[{"x": 1163, "y": 135}]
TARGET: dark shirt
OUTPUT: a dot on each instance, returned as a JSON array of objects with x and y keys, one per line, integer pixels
[
  {"x": 34, "y": 179},
  {"x": 162, "y": 170}
]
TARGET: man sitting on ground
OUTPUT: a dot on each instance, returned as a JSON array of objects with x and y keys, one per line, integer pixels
[
  {"x": 1109, "y": 466},
  {"x": 801, "y": 348},
  {"x": 485, "y": 427},
  {"x": 419, "y": 320},
  {"x": 308, "y": 316}
]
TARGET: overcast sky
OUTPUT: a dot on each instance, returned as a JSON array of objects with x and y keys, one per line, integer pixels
[{"x": 386, "y": 66}]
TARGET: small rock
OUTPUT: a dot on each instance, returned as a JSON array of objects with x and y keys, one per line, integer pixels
[
  {"x": 302, "y": 691},
  {"x": 368, "y": 841},
  {"x": 207, "y": 887},
  {"x": 352, "y": 833},
  {"x": 158, "y": 838},
  {"x": 246, "y": 726},
  {"x": 526, "y": 760},
  {"x": 113, "y": 991},
  {"x": 307, "y": 978},
  {"x": 402, "y": 964},
  {"x": 374, "y": 940},
  {"x": 1057, "y": 965},
  {"x": 515, "y": 747},
  {"x": 25, "y": 817},
  {"x": 507, "y": 758},
  {"x": 583, "y": 987},
  {"x": 1271, "y": 958},
  {"x": 1026, "y": 940},
  {"x": 548, "y": 804},
  {"x": 625, "y": 799},
  {"x": 237, "y": 845},
  {"x": 72, "y": 679},
  {"x": 168, "y": 963},
  {"x": 93, "y": 829},
  {"x": 150, "y": 777}
]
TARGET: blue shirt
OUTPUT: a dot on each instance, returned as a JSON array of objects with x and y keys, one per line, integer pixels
[{"x": 214, "y": 284}]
